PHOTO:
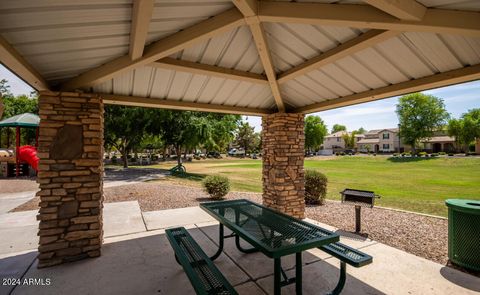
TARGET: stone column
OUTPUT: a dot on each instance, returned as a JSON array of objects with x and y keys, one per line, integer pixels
[
  {"x": 283, "y": 142},
  {"x": 70, "y": 177}
]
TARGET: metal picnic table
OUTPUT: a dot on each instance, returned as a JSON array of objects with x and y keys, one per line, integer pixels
[{"x": 268, "y": 231}]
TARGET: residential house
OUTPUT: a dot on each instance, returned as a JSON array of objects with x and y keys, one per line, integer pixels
[
  {"x": 439, "y": 142},
  {"x": 380, "y": 140},
  {"x": 335, "y": 141},
  {"x": 388, "y": 141}
]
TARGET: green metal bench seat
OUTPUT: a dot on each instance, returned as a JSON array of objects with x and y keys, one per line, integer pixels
[
  {"x": 204, "y": 276},
  {"x": 346, "y": 255}
]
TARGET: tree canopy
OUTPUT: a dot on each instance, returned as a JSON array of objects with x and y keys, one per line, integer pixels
[
  {"x": 349, "y": 139},
  {"x": 338, "y": 127},
  {"x": 361, "y": 130},
  {"x": 315, "y": 132},
  {"x": 128, "y": 128},
  {"x": 247, "y": 138},
  {"x": 467, "y": 128},
  {"x": 420, "y": 115},
  {"x": 16, "y": 105}
]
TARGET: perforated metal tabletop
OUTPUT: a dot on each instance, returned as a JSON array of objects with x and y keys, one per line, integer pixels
[{"x": 271, "y": 232}]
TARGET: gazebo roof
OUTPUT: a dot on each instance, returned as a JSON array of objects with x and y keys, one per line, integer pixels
[
  {"x": 22, "y": 120},
  {"x": 241, "y": 56}
]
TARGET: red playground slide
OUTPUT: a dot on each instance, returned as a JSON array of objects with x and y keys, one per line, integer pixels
[{"x": 28, "y": 153}]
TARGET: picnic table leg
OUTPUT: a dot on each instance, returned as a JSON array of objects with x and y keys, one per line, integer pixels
[
  {"x": 237, "y": 238},
  {"x": 298, "y": 273},
  {"x": 220, "y": 243},
  {"x": 241, "y": 249},
  {"x": 277, "y": 268}
]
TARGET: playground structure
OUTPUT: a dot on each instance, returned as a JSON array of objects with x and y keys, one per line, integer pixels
[{"x": 17, "y": 162}]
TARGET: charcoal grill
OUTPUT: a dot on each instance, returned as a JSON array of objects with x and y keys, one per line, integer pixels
[{"x": 360, "y": 199}]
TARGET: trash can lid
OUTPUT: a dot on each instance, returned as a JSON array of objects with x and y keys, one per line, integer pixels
[{"x": 468, "y": 206}]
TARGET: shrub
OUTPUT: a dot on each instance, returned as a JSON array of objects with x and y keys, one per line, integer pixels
[
  {"x": 216, "y": 186},
  {"x": 395, "y": 155},
  {"x": 442, "y": 153},
  {"x": 434, "y": 155},
  {"x": 422, "y": 154},
  {"x": 315, "y": 187},
  {"x": 114, "y": 160},
  {"x": 450, "y": 154}
]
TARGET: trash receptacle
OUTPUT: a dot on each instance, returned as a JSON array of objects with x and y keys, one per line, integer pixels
[{"x": 463, "y": 233}]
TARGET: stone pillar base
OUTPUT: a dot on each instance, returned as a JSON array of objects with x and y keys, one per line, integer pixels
[
  {"x": 283, "y": 144},
  {"x": 70, "y": 177}
]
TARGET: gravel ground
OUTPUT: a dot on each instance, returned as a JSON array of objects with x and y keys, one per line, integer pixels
[{"x": 421, "y": 235}]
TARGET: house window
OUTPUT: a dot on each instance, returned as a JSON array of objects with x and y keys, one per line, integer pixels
[
  {"x": 338, "y": 139},
  {"x": 386, "y": 136},
  {"x": 386, "y": 146}
]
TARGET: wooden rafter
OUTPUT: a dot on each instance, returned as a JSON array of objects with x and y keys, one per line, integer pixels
[
  {"x": 264, "y": 52},
  {"x": 202, "y": 31},
  {"x": 17, "y": 64},
  {"x": 203, "y": 69},
  {"x": 361, "y": 42},
  {"x": 249, "y": 9},
  {"x": 365, "y": 16},
  {"x": 439, "y": 80},
  {"x": 141, "y": 16},
  {"x": 180, "y": 105},
  {"x": 404, "y": 9}
]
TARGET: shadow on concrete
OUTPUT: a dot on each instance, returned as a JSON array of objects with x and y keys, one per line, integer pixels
[
  {"x": 146, "y": 265},
  {"x": 352, "y": 235},
  {"x": 133, "y": 174},
  {"x": 13, "y": 268},
  {"x": 459, "y": 278}
]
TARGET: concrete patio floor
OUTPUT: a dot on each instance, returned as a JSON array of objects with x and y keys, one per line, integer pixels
[{"x": 139, "y": 261}]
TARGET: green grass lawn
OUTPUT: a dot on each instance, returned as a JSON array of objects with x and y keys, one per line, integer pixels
[{"x": 420, "y": 185}]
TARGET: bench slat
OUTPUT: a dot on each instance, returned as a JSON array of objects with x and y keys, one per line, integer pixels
[
  {"x": 202, "y": 273},
  {"x": 347, "y": 254}
]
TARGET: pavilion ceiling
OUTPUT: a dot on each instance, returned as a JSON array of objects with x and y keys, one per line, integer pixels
[{"x": 241, "y": 56}]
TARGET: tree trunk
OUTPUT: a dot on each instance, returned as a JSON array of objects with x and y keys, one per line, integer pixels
[
  {"x": 185, "y": 154},
  {"x": 179, "y": 155},
  {"x": 124, "y": 156}
]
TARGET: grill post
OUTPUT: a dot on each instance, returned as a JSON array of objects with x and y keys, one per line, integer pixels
[{"x": 358, "y": 221}]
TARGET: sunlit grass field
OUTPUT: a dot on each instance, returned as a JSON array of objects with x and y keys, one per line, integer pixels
[{"x": 415, "y": 184}]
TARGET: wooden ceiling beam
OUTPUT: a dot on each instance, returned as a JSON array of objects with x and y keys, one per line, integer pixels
[
  {"x": 440, "y": 21},
  {"x": 350, "y": 47},
  {"x": 439, "y": 80},
  {"x": 264, "y": 52},
  {"x": 11, "y": 59},
  {"x": 209, "y": 70},
  {"x": 404, "y": 9},
  {"x": 141, "y": 17},
  {"x": 180, "y": 105},
  {"x": 188, "y": 37},
  {"x": 247, "y": 7}
]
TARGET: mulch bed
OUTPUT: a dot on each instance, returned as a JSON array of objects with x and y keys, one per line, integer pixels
[{"x": 420, "y": 235}]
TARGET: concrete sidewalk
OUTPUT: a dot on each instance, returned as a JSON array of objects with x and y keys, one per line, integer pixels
[{"x": 143, "y": 263}]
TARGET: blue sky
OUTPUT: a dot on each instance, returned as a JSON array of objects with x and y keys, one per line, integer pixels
[
  {"x": 373, "y": 115},
  {"x": 380, "y": 114}
]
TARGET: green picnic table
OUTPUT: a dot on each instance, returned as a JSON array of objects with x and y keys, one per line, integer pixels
[{"x": 268, "y": 231}]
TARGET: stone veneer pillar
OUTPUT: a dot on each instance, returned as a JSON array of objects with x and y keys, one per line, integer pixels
[
  {"x": 283, "y": 142},
  {"x": 70, "y": 177}
]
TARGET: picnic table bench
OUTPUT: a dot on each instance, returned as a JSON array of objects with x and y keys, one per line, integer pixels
[
  {"x": 273, "y": 233},
  {"x": 202, "y": 273}
]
